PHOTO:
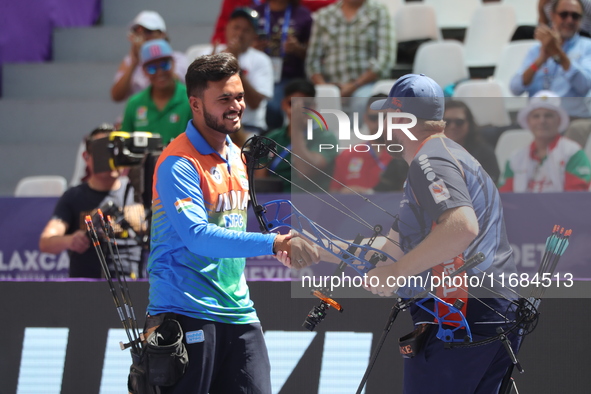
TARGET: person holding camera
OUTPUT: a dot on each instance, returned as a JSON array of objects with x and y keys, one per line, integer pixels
[
  {"x": 199, "y": 240},
  {"x": 130, "y": 79},
  {"x": 66, "y": 229},
  {"x": 162, "y": 107}
]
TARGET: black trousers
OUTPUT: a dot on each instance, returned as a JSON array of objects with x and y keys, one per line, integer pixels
[{"x": 223, "y": 358}]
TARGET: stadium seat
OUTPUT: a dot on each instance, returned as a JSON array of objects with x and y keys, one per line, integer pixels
[
  {"x": 485, "y": 100},
  {"x": 383, "y": 86},
  {"x": 416, "y": 21},
  {"x": 453, "y": 14},
  {"x": 526, "y": 11},
  {"x": 509, "y": 142},
  {"x": 392, "y": 5},
  {"x": 41, "y": 186},
  {"x": 490, "y": 28},
  {"x": 443, "y": 61},
  {"x": 509, "y": 62},
  {"x": 328, "y": 96}
]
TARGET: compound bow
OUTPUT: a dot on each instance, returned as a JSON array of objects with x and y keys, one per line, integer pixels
[{"x": 520, "y": 318}]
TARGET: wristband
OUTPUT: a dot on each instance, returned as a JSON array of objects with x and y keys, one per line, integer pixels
[{"x": 534, "y": 67}]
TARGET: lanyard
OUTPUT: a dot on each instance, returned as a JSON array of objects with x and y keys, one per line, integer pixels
[
  {"x": 284, "y": 29},
  {"x": 279, "y": 158}
]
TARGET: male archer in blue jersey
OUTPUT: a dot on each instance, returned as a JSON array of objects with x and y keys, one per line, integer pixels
[
  {"x": 450, "y": 211},
  {"x": 198, "y": 244}
]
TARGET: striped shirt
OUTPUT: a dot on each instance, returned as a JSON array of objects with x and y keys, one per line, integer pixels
[{"x": 342, "y": 50}]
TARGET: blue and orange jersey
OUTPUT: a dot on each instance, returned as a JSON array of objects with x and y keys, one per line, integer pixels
[{"x": 199, "y": 240}]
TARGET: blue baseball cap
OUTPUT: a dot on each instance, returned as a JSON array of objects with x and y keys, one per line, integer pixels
[
  {"x": 154, "y": 50},
  {"x": 416, "y": 94}
]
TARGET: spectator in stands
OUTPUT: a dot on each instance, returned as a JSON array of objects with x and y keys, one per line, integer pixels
[
  {"x": 545, "y": 15},
  {"x": 284, "y": 27},
  {"x": 66, "y": 229},
  {"x": 551, "y": 163},
  {"x": 130, "y": 79},
  {"x": 461, "y": 127},
  {"x": 561, "y": 62},
  {"x": 162, "y": 107},
  {"x": 256, "y": 67},
  {"x": 219, "y": 33},
  {"x": 360, "y": 170},
  {"x": 352, "y": 45},
  {"x": 293, "y": 136}
]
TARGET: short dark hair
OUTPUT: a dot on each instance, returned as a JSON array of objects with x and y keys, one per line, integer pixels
[
  {"x": 556, "y": 2},
  {"x": 473, "y": 134},
  {"x": 208, "y": 68},
  {"x": 300, "y": 85},
  {"x": 102, "y": 128}
]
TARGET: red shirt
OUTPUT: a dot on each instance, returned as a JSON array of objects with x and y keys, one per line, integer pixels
[{"x": 362, "y": 169}]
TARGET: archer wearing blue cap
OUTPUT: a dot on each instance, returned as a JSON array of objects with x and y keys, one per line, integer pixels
[
  {"x": 416, "y": 94},
  {"x": 450, "y": 211}
]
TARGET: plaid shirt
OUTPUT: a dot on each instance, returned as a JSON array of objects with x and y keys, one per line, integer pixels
[{"x": 341, "y": 51}]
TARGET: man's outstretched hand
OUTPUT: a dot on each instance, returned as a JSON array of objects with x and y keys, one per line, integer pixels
[{"x": 295, "y": 252}]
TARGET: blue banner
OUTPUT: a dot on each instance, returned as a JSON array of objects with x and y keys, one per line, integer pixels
[{"x": 529, "y": 220}]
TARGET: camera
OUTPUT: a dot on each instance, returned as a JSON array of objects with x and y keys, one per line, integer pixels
[
  {"x": 123, "y": 149},
  {"x": 138, "y": 150}
]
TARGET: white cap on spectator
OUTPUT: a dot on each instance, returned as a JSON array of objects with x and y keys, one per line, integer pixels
[
  {"x": 150, "y": 20},
  {"x": 544, "y": 99}
]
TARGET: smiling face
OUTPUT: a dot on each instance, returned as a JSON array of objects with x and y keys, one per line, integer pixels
[
  {"x": 544, "y": 124},
  {"x": 220, "y": 108},
  {"x": 240, "y": 33},
  {"x": 160, "y": 72},
  {"x": 567, "y": 17}
]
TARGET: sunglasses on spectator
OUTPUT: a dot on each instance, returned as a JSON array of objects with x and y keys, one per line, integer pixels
[
  {"x": 153, "y": 68},
  {"x": 574, "y": 15},
  {"x": 457, "y": 122}
]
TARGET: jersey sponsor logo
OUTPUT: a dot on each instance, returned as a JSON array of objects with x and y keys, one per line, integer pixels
[
  {"x": 234, "y": 199},
  {"x": 183, "y": 204},
  {"x": 439, "y": 191},
  {"x": 243, "y": 180},
  {"x": 174, "y": 118},
  {"x": 141, "y": 113},
  {"x": 216, "y": 175},
  {"x": 234, "y": 220},
  {"x": 426, "y": 167}
]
